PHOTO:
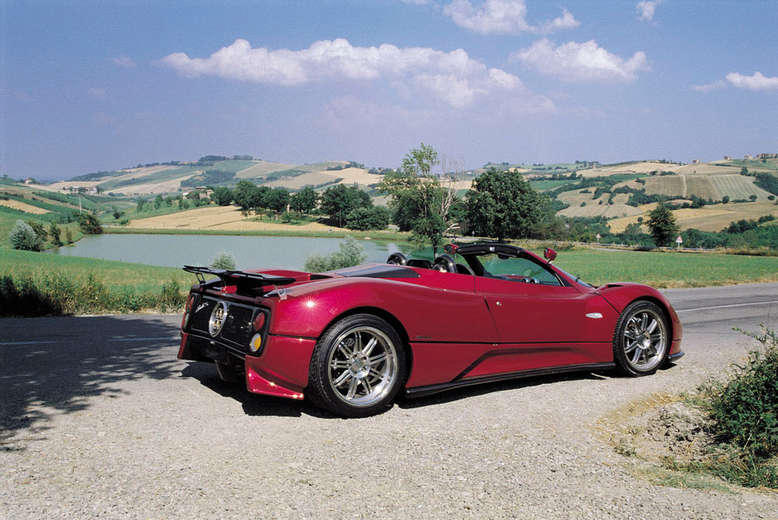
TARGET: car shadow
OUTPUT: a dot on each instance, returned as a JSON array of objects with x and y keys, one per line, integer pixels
[
  {"x": 57, "y": 365},
  {"x": 488, "y": 388},
  {"x": 253, "y": 404}
]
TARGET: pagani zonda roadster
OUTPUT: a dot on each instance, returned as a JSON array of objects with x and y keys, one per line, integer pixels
[{"x": 352, "y": 339}]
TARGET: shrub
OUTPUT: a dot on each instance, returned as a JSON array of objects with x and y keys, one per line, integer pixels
[
  {"x": 223, "y": 261},
  {"x": 350, "y": 253},
  {"x": 745, "y": 409},
  {"x": 22, "y": 236},
  {"x": 55, "y": 232},
  {"x": 364, "y": 219}
]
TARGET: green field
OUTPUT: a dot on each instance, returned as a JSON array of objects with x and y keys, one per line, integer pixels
[
  {"x": 113, "y": 274},
  {"x": 667, "y": 269}
]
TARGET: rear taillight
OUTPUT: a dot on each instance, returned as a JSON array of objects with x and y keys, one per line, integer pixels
[
  {"x": 259, "y": 322},
  {"x": 187, "y": 310}
]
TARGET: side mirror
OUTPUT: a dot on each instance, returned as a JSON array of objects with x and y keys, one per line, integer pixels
[{"x": 549, "y": 254}]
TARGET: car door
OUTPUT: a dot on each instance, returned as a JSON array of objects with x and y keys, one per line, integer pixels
[{"x": 540, "y": 319}]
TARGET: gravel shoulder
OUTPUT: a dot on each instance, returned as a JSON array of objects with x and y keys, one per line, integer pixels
[{"x": 99, "y": 419}]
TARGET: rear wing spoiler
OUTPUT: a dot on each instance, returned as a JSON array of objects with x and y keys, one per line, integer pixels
[{"x": 234, "y": 277}]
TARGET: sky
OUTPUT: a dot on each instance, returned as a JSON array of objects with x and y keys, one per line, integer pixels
[{"x": 92, "y": 86}]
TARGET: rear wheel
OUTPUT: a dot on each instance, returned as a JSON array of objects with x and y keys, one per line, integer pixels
[
  {"x": 641, "y": 340},
  {"x": 357, "y": 367}
]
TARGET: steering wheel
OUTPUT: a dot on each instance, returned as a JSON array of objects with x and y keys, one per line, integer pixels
[{"x": 444, "y": 264}]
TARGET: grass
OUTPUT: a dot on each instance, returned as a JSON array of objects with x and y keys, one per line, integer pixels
[
  {"x": 115, "y": 275},
  {"x": 668, "y": 269}
]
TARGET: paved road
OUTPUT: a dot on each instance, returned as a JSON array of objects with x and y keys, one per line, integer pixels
[{"x": 98, "y": 418}]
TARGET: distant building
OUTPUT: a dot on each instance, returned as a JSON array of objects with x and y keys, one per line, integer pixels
[
  {"x": 748, "y": 157},
  {"x": 695, "y": 161},
  {"x": 727, "y": 157},
  {"x": 761, "y": 156},
  {"x": 29, "y": 180}
]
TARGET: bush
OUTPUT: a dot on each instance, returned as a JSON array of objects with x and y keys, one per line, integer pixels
[
  {"x": 350, "y": 253},
  {"x": 223, "y": 261},
  {"x": 745, "y": 409},
  {"x": 22, "y": 236}
]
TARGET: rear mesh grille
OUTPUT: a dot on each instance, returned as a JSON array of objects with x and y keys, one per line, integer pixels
[{"x": 237, "y": 328}]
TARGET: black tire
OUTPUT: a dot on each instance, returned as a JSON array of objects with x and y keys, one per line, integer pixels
[
  {"x": 641, "y": 341},
  {"x": 345, "y": 378}
]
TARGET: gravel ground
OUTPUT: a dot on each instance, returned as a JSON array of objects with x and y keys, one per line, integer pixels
[{"x": 116, "y": 428}]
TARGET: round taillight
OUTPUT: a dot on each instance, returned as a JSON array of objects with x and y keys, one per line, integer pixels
[
  {"x": 256, "y": 343},
  {"x": 259, "y": 321}
]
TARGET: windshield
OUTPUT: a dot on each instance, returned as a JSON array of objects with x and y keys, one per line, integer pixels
[{"x": 577, "y": 279}]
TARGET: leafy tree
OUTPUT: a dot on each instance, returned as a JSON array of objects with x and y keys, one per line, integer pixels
[
  {"x": 376, "y": 217},
  {"x": 22, "y": 236},
  {"x": 502, "y": 204},
  {"x": 304, "y": 201},
  {"x": 662, "y": 224},
  {"x": 725, "y": 199},
  {"x": 245, "y": 194},
  {"x": 338, "y": 201},
  {"x": 89, "y": 224},
  {"x": 54, "y": 231},
  {"x": 418, "y": 201},
  {"x": 222, "y": 196},
  {"x": 116, "y": 213},
  {"x": 158, "y": 202},
  {"x": 277, "y": 200},
  {"x": 141, "y": 206},
  {"x": 39, "y": 230}
]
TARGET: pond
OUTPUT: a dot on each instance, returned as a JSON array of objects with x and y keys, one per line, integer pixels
[{"x": 248, "y": 251}]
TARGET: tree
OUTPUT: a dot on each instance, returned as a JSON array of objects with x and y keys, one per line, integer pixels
[
  {"x": 36, "y": 226},
  {"x": 304, "y": 201},
  {"x": 725, "y": 199},
  {"x": 222, "y": 196},
  {"x": 338, "y": 201},
  {"x": 502, "y": 204},
  {"x": 364, "y": 219},
  {"x": 89, "y": 224},
  {"x": 244, "y": 194},
  {"x": 277, "y": 200},
  {"x": 54, "y": 231},
  {"x": 662, "y": 224},
  {"x": 418, "y": 201},
  {"x": 22, "y": 236}
]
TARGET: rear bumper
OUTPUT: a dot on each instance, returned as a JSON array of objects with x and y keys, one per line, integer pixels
[{"x": 281, "y": 370}]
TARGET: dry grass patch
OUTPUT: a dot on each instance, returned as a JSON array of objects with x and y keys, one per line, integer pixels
[
  {"x": 638, "y": 167},
  {"x": 23, "y": 206},
  {"x": 220, "y": 218},
  {"x": 261, "y": 169}
]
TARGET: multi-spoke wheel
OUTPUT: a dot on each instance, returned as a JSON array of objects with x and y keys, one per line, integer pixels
[
  {"x": 358, "y": 366},
  {"x": 641, "y": 341}
]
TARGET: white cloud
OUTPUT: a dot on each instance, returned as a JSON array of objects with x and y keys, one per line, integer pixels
[
  {"x": 757, "y": 81},
  {"x": 707, "y": 87},
  {"x": 453, "y": 76},
  {"x": 124, "y": 61},
  {"x": 585, "y": 61},
  {"x": 646, "y": 9},
  {"x": 502, "y": 17}
]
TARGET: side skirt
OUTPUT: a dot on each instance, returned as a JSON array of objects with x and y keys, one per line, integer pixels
[{"x": 422, "y": 391}]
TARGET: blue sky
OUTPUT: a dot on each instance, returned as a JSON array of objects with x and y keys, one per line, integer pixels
[{"x": 88, "y": 86}]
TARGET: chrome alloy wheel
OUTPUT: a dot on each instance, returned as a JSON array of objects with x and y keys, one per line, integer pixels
[
  {"x": 645, "y": 340},
  {"x": 363, "y": 366}
]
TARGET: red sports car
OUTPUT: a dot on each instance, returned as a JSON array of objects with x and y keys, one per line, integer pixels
[{"x": 352, "y": 339}]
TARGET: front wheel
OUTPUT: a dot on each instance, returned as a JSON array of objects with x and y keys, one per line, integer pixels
[
  {"x": 641, "y": 340},
  {"x": 357, "y": 367}
]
